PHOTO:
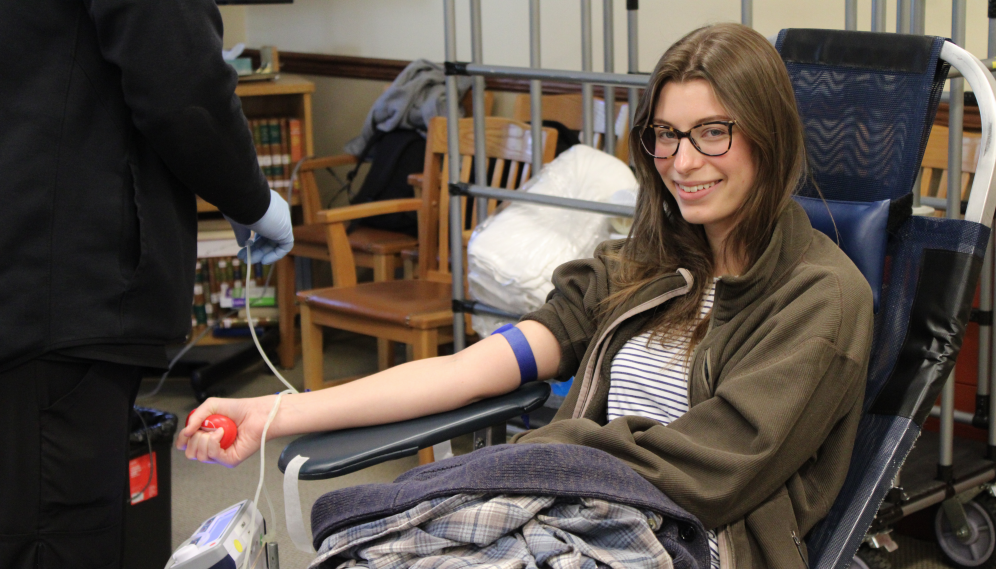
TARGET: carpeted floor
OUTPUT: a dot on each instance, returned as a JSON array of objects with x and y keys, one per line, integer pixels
[
  {"x": 917, "y": 554},
  {"x": 201, "y": 490}
]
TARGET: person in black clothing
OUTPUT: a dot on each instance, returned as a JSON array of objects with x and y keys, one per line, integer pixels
[{"x": 113, "y": 115}]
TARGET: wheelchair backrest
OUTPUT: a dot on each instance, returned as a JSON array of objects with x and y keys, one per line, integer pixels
[{"x": 867, "y": 102}]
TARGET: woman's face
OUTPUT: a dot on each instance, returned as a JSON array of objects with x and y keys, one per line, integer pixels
[{"x": 708, "y": 189}]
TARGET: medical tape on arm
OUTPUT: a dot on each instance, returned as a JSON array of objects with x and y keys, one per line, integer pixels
[
  {"x": 523, "y": 352},
  {"x": 292, "y": 505}
]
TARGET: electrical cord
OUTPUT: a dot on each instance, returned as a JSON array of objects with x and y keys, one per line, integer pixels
[
  {"x": 344, "y": 186},
  {"x": 293, "y": 177},
  {"x": 266, "y": 285},
  {"x": 252, "y": 325},
  {"x": 204, "y": 332},
  {"x": 262, "y": 471},
  {"x": 176, "y": 358},
  {"x": 152, "y": 460},
  {"x": 273, "y": 411},
  {"x": 269, "y": 420}
]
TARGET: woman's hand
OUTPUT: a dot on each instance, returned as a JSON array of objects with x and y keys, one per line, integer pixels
[{"x": 249, "y": 416}]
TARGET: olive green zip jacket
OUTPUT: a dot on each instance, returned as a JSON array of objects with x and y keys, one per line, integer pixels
[{"x": 775, "y": 391}]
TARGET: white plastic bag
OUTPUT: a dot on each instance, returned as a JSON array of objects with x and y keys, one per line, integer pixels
[{"x": 512, "y": 256}]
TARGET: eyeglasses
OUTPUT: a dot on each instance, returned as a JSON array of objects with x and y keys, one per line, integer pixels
[{"x": 712, "y": 138}]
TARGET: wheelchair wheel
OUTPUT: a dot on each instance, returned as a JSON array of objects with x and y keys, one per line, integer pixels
[
  {"x": 977, "y": 551},
  {"x": 868, "y": 558}
]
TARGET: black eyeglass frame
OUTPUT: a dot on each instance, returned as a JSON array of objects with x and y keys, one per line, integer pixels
[{"x": 682, "y": 134}]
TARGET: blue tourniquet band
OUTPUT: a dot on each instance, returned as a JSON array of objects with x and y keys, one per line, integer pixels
[{"x": 523, "y": 353}]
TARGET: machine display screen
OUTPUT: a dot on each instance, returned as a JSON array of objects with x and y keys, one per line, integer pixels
[
  {"x": 221, "y": 523},
  {"x": 218, "y": 527}
]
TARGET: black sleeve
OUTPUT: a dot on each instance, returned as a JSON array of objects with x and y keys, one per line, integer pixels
[{"x": 182, "y": 97}]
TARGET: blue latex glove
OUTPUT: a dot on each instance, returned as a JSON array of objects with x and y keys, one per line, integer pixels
[{"x": 274, "y": 234}]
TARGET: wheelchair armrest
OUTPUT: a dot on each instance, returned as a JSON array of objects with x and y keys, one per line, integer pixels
[{"x": 336, "y": 453}]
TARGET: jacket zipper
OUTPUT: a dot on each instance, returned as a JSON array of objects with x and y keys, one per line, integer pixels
[
  {"x": 590, "y": 375},
  {"x": 726, "y": 558},
  {"x": 707, "y": 369},
  {"x": 798, "y": 546}
]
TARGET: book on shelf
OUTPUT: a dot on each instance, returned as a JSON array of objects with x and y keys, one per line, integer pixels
[
  {"x": 285, "y": 153},
  {"x": 220, "y": 293},
  {"x": 296, "y": 146},
  {"x": 279, "y": 146},
  {"x": 266, "y": 161},
  {"x": 254, "y": 130},
  {"x": 272, "y": 143}
]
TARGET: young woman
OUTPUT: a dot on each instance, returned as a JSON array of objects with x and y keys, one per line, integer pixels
[{"x": 720, "y": 350}]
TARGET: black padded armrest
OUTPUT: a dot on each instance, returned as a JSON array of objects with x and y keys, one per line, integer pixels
[{"x": 336, "y": 453}]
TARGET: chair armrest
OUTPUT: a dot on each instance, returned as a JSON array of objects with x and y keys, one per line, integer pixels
[
  {"x": 327, "y": 162},
  {"x": 415, "y": 180},
  {"x": 348, "y": 213},
  {"x": 336, "y": 453}
]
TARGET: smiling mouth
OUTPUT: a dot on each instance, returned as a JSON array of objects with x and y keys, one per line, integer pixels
[{"x": 696, "y": 188}]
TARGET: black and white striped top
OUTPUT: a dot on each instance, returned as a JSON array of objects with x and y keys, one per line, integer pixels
[{"x": 651, "y": 380}]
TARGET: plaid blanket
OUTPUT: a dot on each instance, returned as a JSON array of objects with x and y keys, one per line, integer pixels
[{"x": 502, "y": 532}]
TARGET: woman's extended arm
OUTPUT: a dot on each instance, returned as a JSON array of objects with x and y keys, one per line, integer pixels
[{"x": 415, "y": 389}]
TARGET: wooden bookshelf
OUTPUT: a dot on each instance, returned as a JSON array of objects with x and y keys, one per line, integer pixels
[{"x": 285, "y": 96}]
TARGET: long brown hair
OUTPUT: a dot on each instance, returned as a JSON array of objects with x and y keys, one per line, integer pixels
[{"x": 751, "y": 82}]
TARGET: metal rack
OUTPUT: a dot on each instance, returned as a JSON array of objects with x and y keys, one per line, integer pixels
[{"x": 477, "y": 69}]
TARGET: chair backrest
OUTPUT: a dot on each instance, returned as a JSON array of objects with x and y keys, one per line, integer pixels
[
  {"x": 508, "y": 146},
  {"x": 467, "y": 103},
  {"x": 567, "y": 110},
  {"x": 934, "y": 168},
  {"x": 865, "y": 134},
  {"x": 311, "y": 202},
  {"x": 867, "y": 103}
]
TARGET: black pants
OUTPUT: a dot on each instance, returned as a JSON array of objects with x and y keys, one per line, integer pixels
[{"x": 63, "y": 463}]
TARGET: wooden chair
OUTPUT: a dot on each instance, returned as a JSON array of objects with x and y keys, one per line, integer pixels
[
  {"x": 416, "y": 312},
  {"x": 568, "y": 111},
  {"x": 373, "y": 248},
  {"x": 934, "y": 168},
  {"x": 376, "y": 249}
]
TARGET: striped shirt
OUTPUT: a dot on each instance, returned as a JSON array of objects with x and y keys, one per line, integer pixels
[{"x": 651, "y": 380}]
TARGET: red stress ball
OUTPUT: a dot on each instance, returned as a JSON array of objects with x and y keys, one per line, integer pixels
[{"x": 215, "y": 422}]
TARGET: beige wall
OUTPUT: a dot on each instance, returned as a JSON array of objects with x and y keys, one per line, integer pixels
[
  {"x": 339, "y": 107},
  {"x": 234, "y": 20},
  {"x": 410, "y": 29}
]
